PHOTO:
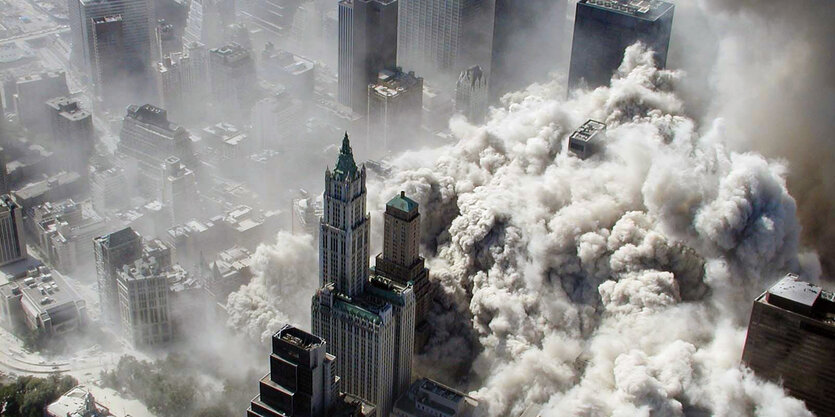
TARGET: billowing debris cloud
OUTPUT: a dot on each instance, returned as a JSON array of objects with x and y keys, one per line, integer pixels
[{"x": 615, "y": 286}]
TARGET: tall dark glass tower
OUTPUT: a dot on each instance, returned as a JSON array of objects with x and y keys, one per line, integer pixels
[
  {"x": 367, "y": 45},
  {"x": 603, "y": 29}
]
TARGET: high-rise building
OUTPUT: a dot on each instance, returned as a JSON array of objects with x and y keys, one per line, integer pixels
[
  {"x": 112, "y": 252},
  {"x": 72, "y": 132},
  {"x": 4, "y": 175},
  {"x": 471, "y": 93},
  {"x": 179, "y": 190},
  {"x": 182, "y": 80},
  {"x": 428, "y": 398},
  {"x": 12, "y": 242},
  {"x": 395, "y": 106},
  {"x": 233, "y": 80},
  {"x": 530, "y": 39},
  {"x": 367, "y": 45},
  {"x": 791, "y": 337},
  {"x": 275, "y": 123},
  {"x": 440, "y": 38},
  {"x": 207, "y": 20},
  {"x": 294, "y": 72},
  {"x": 603, "y": 29},
  {"x": 400, "y": 260},
  {"x": 32, "y": 91},
  {"x": 107, "y": 187},
  {"x": 166, "y": 40},
  {"x": 302, "y": 381},
  {"x": 147, "y": 138},
  {"x": 116, "y": 46},
  {"x": 368, "y": 322},
  {"x": 143, "y": 302}
]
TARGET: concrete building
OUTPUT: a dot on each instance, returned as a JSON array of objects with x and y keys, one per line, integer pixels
[
  {"x": 428, "y": 398},
  {"x": 306, "y": 212},
  {"x": 65, "y": 230},
  {"x": 207, "y": 20},
  {"x": 12, "y": 242},
  {"x": 166, "y": 39},
  {"x": 229, "y": 271},
  {"x": 112, "y": 252},
  {"x": 143, "y": 302},
  {"x": 182, "y": 80},
  {"x": 57, "y": 187},
  {"x": 367, "y": 45},
  {"x": 471, "y": 94},
  {"x": 395, "y": 103},
  {"x": 196, "y": 240},
  {"x": 277, "y": 123},
  {"x": 790, "y": 340},
  {"x": 227, "y": 143},
  {"x": 361, "y": 319},
  {"x": 72, "y": 132},
  {"x": 107, "y": 189},
  {"x": 116, "y": 47},
  {"x": 440, "y": 38},
  {"x": 302, "y": 380},
  {"x": 42, "y": 302},
  {"x": 4, "y": 175},
  {"x": 147, "y": 138},
  {"x": 233, "y": 80},
  {"x": 294, "y": 72},
  {"x": 400, "y": 260},
  {"x": 401, "y": 297},
  {"x": 588, "y": 139},
  {"x": 179, "y": 190},
  {"x": 32, "y": 91},
  {"x": 248, "y": 227},
  {"x": 603, "y": 29}
]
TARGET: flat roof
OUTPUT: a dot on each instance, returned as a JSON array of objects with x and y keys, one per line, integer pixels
[
  {"x": 588, "y": 130},
  {"x": 641, "y": 9}
]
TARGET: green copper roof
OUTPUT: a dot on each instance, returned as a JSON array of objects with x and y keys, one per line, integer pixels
[
  {"x": 345, "y": 165},
  {"x": 403, "y": 203}
]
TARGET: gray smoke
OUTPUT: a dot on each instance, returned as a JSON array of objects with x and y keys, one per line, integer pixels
[{"x": 619, "y": 285}]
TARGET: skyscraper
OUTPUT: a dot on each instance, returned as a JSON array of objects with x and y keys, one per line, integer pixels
[
  {"x": 179, "y": 190},
  {"x": 395, "y": 106},
  {"x": 143, "y": 302},
  {"x": 791, "y": 337},
  {"x": 233, "y": 80},
  {"x": 112, "y": 252},
  {"x": 443, "y": 37},
  {"x": 182, "y": 81},
  {"x": 116, "y": 45},
  {"x": 12, "y": 242},
  {"x": 603, "y": 29},
  {"x": 400, "y": 260},
  {"x": 302, "y": 381},
  {"x": 32, "y": 91},
  {"x": 368, "y": 323},
  {"x": 367, "y": 45},
  {"x": 471, "y": 94},
  {"x": 207, "y": 20},
  {"x": 72, "y": 132}
]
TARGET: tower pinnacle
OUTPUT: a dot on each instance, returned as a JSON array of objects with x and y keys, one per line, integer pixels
[{"x": 345, "y": 165}]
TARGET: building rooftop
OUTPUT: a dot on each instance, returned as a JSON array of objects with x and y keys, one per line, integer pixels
[
  {"x": 107, "y": 19},
  {"x": 43, "y": 291},
  {"x": 77, "y": 402},
  {"x": 642, "y": 9},
  {"x": 298, "y": 337},
  {"x": 390, "y": 291},
  {"x": 792, "y": 294},
  {"x": 588, "y": 130},
  {"x": 153, "y": 115},
  {"x": 425, "y": 394},
  {"x": 345, "y": 165},
  {"x": 35, "y": 189},
  {"x": 68, "y": 108},
  {"x": 402, "y": 203},
  {"x": 118, "y": 238},
  {"x": 391, "y": 83},
  {"x": 231, "y": 54}
]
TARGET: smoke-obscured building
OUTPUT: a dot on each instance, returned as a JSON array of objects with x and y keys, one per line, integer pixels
[
  {"x": 144, "y": 307},
  {"x": 302, "y": 381},
  {"x": 294, "y": 72},
  {"x": 107, "y": 187},
  {"x": 207, "y": 20},
  {"x": 603, "y": 29},
  {"x": 112, "y": 252},
  {"x": 233, "y": 80},
  {"x": 30, "y": 94},
  {"x": 65, "y": 230},
  {"x": 395, "y": 104},
  {"x": 147, "y": 138},
  {"x": 440, "y": 38},
  {"x": 367, "y": 45},
  {"x": 12, "y": 242},
  {"x": 182, "y": 81},
  {"x": 428, "y": 398},
  {"x": 179, "y": 190},
  {"x": 791, "y": 337},
  {"x": 361, "y": 318},
  {"x": 471, "y": 94},
  {"x": 277, "y": 123},
  {"x": 167, "y": 40},
  {"x": 72, "y": 132}
]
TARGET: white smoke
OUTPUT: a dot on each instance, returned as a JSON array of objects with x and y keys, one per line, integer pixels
[
  {"x": 615, "y": 286},
  {"x": 285, "y": 278}
]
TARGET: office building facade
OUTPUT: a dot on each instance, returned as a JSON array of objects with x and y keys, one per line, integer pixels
[
  {"x": 441, "y": 38},
  {"x": 233, "y": 80},
  {"x": 471, "y": 94},
  {"x": 144, "y": 308},
  {"x": 113, "y": 251},
  {"x": 72, "y": 132},
  {"x": 395, "y": 106},
  {"x": 791, "y": 338},
  {"x": 12, "y": 242},
  {"x": 603, "y": 29},
  {"x": 367, "y": 45},
  {"x": 32, "y": 91}
]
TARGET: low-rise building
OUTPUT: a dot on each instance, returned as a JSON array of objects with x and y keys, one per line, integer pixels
[
  {"x": 57, "y": 187},
  {"x": 428, "y": 398},
  {"x": 77, "y": 402},
  {"x": 42, "y": 301},
  {"x": 65, "y": 231},
  {"x": 588, "y": 139},
  {"x": 229, "y": 271}
]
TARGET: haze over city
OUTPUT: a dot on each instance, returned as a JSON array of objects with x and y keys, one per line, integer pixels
[{"x": 412, "y": 208}]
